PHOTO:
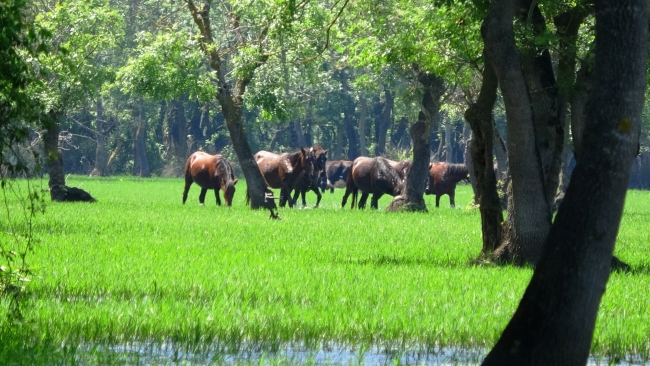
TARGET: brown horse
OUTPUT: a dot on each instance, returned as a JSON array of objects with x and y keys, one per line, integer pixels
[
  {"x": 285, "y": 170},
  {"x": 443, "y": 178},
  {"x": 210, "y": 172},
  {"x": 310, "y": 182},
  {"x": 372, "y": 175}
]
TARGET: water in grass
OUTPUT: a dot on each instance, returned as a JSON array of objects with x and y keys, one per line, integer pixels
[{"x": 163, "y": 354}]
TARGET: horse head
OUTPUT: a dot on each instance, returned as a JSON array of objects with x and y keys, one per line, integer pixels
[
  {"x": 307, "y": 161},
  {"x": 229, "y": 191}
]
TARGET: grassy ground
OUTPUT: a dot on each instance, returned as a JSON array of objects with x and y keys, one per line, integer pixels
[{"x": 138, "y": 270}]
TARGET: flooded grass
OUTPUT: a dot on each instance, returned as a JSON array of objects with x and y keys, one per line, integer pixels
[{"x": 138, "y": 278}]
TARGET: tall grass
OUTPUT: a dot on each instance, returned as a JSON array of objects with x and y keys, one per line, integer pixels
[{"x": 139, "y": 268}]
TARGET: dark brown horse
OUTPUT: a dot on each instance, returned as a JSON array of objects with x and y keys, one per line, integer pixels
[
  {"x": 372, "y": 175},
  {"x": 210, "y": 172},
  {"x": 443, "y": 178},
  {"x": 336, "y": 175},
  {"x": 285, "y": 170},
  {"x": 310, "y": 182}
]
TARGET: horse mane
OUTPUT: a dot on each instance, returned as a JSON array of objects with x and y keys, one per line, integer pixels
[
  {"x": 457, "y": 170},
  {"x": 225, "y": 170}
]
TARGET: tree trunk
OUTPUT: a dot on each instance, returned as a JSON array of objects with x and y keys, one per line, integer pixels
[
  {"x": 141, "y": 164},
  {"x": 529, "y": 213},
  {"x": 567, "y": 25},
  {"x": 385, "y": 122},
  {"x": 297, "y": 128},
  {"x": 231, "y": 100},
  {"x": 434, "y": 88},
  {"x": 178, "y": 131},
  {"x": 363, "y": 115},
  {"x": 555, "y": 320},
  {"x": 479, "y": 117},
  {"x": 348, "y": 116},
  {"x": 195, "y": 124},
  {"x": 53, "y": 159},
  {"x": 338, "y": 150},
  {"x": 101, "y": 159},
  {"x": 449, "y": 131}
]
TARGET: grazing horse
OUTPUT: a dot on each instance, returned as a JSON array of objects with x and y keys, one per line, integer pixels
[
  {"x": 336, "y": 175},
  {"x": 310, "y": 183},
  {"x": 285, "y": 170},
  {"x": 210, "y": 172},
  {"x": 372, "y": 175},
  {"x": 443, "y": 178}
]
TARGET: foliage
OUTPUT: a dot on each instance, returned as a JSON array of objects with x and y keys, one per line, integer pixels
[
  {"x": 167, "y": 66},
  {"x": 84, "y": 35}
]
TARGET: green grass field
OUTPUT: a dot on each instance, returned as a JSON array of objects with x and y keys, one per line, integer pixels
[{"x": 140, "y": 271}]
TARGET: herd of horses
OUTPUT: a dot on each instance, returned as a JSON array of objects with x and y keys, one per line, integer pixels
[{"x": 308, "y": 170}]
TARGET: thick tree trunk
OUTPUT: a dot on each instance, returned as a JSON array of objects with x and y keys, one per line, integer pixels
[
  {"x": 101, "y": 159},
  {"x": 141, "y": 164},
  {"x": 545, "y": 101},
  {"x": 529, "y": 212},
  {"x": 297, "y": 128},
  {"x": 59, "y": 192},
  {"x": 567, "y": 25},
  {"x": 434, "y": 88},
  {"x": 578, "y": 104},
  {"x": 385, "y": 122},
  {"x": 53, "y": 159},
  {"x": 479, "y": 117},
  {"x": 179, "y": 131},
  {"x": 363, "y": 115},
  {"x": 195, "y": 124},
  {"x": 555, "y": 320},
  {"x": 348, "y": 116}
]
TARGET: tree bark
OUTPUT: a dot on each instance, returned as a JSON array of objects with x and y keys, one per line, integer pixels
[
  {"x": 434, "y": 88},
  {"x": 53, "y": 159},
  {"x": 555, "y": 320},
  {"x": 141, "y": 164},
  {"x": 101, "y": 159},
  {"x": 297, "y": 128},
  {"x": 363, "y": 115},
  {"x": 529, "y": 212},
  {"x": 479, "y": 117},
  {"x": 349, "y": 108},
  {"x": 178, "y": 130},
  {"x": 385, "y": 121}
]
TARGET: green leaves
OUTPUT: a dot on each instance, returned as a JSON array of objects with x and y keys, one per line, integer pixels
[
  {"x": 85, "y": 33},
  {"x": 166, "y": 66}
]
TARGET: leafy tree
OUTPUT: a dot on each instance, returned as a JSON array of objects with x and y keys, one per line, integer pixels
[
  {"x": 555, "y": 319},
  {"x": 21, "y": 43},
  {"x": 83, "y": 31}
]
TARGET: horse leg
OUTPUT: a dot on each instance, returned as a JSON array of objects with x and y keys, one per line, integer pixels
[
  {"x": 188, "y": 183},
  {"x": 295, "y": 197},
  {"x": 303, "y": 193},
  {"x": 438, "y": 200},
  {"x": 363, "y": 200},
  {"x": 452, "y": 196},
  {"x": 348, "y": 190},
  {"x": 374, "y": 201},
  {"x": 318, "y": 196},
  {"x": 216, "y": 194},
  {"x": 202, "y": 196}
]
